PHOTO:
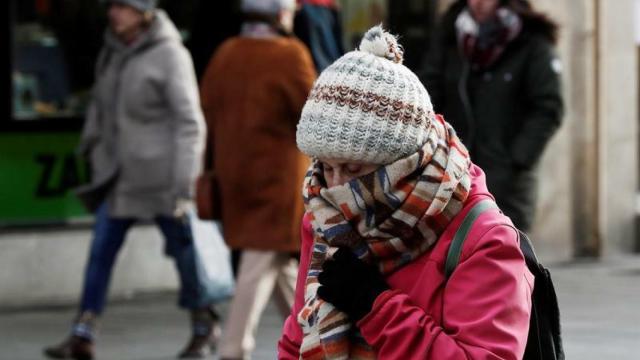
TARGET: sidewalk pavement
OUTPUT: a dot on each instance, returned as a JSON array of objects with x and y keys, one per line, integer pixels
[{"x": 599, "y": 304}]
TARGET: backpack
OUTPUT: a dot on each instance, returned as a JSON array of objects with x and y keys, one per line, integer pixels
[{"x": 544, "y": 341}]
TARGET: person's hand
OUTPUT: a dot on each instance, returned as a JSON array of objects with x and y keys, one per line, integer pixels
[
  {"x": 182, "y": 207},
  {"x": 350, "y": 284}
]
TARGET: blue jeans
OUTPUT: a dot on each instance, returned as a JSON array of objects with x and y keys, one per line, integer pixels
[{"x": 109, "y": 235}]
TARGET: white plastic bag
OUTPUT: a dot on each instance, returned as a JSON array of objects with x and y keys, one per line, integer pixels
[{"x": 213, "y": 258}]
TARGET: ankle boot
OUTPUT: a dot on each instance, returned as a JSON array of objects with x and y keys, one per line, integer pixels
[
  {"x": 79, "y": 345},
  {"x": 205, "y": 324}
]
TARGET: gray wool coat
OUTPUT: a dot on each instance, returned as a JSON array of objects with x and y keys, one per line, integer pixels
[{"x": 144, "y": 132}]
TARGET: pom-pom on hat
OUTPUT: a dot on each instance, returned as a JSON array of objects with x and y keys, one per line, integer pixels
[{"x": 366, "y": 107}]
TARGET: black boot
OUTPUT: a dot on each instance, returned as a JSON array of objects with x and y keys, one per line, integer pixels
[
  {"x": 79, "y": 345},
  {"x": 205, "y": 324}
]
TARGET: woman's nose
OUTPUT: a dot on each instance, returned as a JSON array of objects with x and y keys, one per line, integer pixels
[{"x": 339, "y": 178}]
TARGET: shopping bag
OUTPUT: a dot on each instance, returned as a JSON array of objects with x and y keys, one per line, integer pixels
[{"x": 213, "y": 258}]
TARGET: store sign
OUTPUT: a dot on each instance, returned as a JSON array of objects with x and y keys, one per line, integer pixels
[{"x": 39, "y": 172}]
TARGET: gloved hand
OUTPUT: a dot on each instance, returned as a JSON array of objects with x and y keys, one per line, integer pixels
[{"x": 350, "y": 284}]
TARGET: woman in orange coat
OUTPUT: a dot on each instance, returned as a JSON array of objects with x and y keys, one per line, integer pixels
[{"x": 252, "y": 95}]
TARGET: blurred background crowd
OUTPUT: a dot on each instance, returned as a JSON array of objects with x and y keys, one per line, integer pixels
[{"x": 578, "y": 177}]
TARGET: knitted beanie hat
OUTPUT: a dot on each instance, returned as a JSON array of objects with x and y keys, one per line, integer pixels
[
  {"x": 366, "y": 107},
  {"x": 267, "y": 6},
  {"x": 141, "y": 5}
]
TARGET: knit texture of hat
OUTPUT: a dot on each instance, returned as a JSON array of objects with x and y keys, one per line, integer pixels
[
  {"x": 267, "y": 6},
  {"x": 366, "y": 107},
  {"x": 142, "y": 5}
]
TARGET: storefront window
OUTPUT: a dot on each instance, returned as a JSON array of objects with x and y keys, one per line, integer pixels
[{"x": 55, "y": 44}]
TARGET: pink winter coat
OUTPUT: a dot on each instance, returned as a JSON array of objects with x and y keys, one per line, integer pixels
[{"x": 481, "y": 312}]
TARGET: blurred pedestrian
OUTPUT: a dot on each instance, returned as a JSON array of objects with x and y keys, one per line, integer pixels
[
  {"x": 388, "y": 189},
  {"x": 252, "y": 94},
  {"x": 492, "y": 72},
  {"x": 144, "y": 135},
  {"x": 318, "y": 25}
]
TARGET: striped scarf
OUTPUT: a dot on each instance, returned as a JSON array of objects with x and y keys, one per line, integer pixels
[
  {"x": 482, "y": 44},
  {"x": 388, "y": 217}
]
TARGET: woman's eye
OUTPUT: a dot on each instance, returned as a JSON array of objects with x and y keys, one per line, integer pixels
[{"x": 354, "y": 168}]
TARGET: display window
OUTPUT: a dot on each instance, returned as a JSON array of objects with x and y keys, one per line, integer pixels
[{"x": 53, "y": 46}]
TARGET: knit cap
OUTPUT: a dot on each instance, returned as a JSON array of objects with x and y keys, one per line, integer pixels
[
  {"x": 366, "y": 107},
  {"x": 141, "y": 5},
  {"x": 272, "y": 7}
]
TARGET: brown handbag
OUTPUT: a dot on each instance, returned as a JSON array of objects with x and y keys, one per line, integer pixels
[{"x": 207, "y": 190}]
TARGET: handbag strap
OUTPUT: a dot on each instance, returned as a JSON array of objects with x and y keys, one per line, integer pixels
[{"x": 455, "y": 249}]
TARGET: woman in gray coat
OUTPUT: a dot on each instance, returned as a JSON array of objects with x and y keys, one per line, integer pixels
[{"x": 144, "y": 135}]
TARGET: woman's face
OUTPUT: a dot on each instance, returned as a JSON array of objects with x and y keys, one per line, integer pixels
[
  {"x": 124, "y": 20},
  {"x": 483, "y": 10},
  {"x": 338, "y": 172}
]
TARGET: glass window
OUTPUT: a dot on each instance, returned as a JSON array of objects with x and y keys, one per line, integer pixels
[{"x": 55, "y": 45}]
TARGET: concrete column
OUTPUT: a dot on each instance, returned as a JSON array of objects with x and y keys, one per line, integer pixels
[
  {"x": 593, "y": 160},
  {"x": 585, "y": 144},
  {"x": 618, "y": 124},
  {"x": 565, "y": 168},
  {"x": 581, "y": 64}
]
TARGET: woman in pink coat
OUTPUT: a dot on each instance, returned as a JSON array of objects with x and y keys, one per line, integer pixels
[{"x": 389, "y": 187}]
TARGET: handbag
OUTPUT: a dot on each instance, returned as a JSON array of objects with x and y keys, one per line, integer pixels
[{"x": 207, "y": 197}]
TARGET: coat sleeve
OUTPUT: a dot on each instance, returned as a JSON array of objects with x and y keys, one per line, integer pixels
[
  {"x": 181, "y": 91},
  {"x": 289, "y": 343},
  {"x": 90, "y": 130},
  {"x": 485, "y": 311},
  {"x": 544, "y": 106}
]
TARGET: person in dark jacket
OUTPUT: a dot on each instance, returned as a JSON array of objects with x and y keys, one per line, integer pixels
[{"x": 492, "y": 72}]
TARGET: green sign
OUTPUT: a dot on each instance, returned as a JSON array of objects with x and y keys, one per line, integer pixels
[{"x": 37, "y": 174}]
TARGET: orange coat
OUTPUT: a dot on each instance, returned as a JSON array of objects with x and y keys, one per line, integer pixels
[{"x": 252, "y": 95}]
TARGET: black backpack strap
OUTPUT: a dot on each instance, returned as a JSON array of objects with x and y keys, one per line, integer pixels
[
  {"x": 544, "y": 341},
  {"x": 455, "y": 249},
  {"x": 545, "y": 337}
]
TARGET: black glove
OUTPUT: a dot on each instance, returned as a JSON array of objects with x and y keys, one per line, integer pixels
[{"x": 350, "y": 284}]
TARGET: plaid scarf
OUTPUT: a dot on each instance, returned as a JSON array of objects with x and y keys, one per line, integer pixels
[
  {"x": 388, "y": 217},
  {"x": 482, "y": 44}
]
